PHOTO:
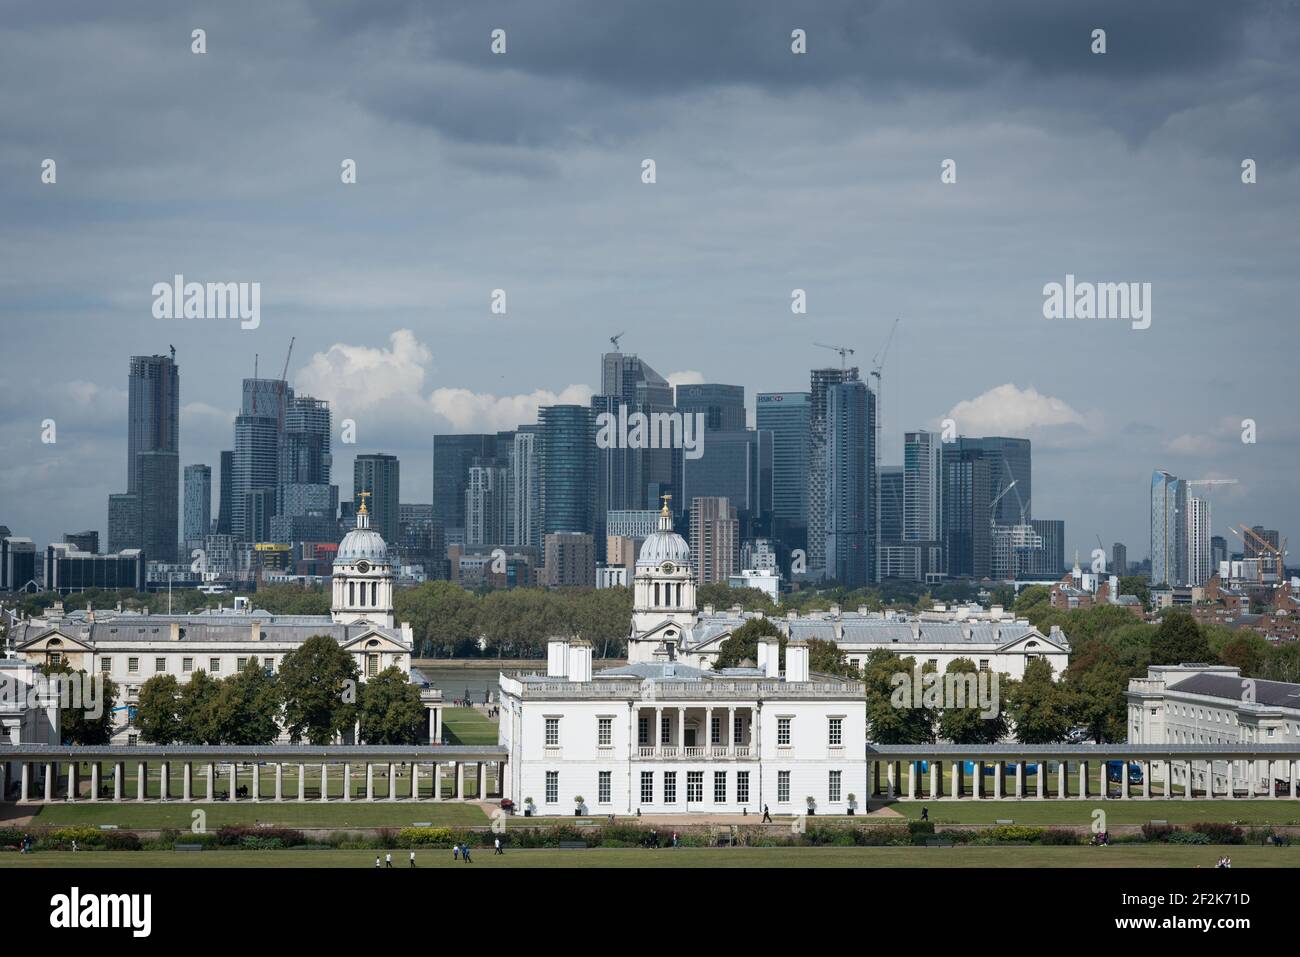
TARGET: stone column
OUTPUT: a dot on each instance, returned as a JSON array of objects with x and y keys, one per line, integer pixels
[
  {"x": 460, "y": 781},
  {"x": 1291, "y": 772},
  {"x": 392, "y": 781},
  {"x": 956, "y": 779},
  {"x": 731, "y": 728},
  {"x": 1232, "y": 779},
  {"x": 1062, "y": 769},
  {"x": 347, "y": 781},
  {"x": 437, "y": 781},
  {"x": 324, "y": 781},
  {"x": 999, "y": 770},
  {"x": 234, "y": 780},
  {"x": 1083, "y": 779},
  {"x": 187, "y": 781},
  {"x": 257, "y": 781},
  {"x": 934, "y": 780},
  {"x": 370, "y": 781},
  {"x": 681, "y": 735},
  {"x": 1040, "y": 779},
  {"x": 415, "y": 781},
  {"x": 302, "y": 782},
  {"x": 1123, "y": 780},
  {"x": 279, "y": 780},
  {"x": 25, "y": 781},
  {"x": 1272, "y": 780},
  {"x": 913, "y": 772},
  {"x": 119, "y": 774},
  {"x": 141, "y": 780},
  {"x": 164, "y": 780},
  {"x": 212, "y": 780},
  {"x": 94, "y": 781},
  {"x": 977, "y": 785},
  {"x": 657, "y": 737},
  {"x": 1146, "y": 778},
  {"x": 433, "y": 721},
  {"x": 708, "y": 732},
  {"x": 1187, "y": 787},
  {"x": 1020, "y": 780},
  {"x": 1209, "y": 779},
  {"x": 891, "y": 774}
]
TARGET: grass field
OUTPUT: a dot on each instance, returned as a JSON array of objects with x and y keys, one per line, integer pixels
[
  {"x": 340, "y": 815},
  {"x": 1156, "y": 855},
  {"x": 468, "y": 726}
]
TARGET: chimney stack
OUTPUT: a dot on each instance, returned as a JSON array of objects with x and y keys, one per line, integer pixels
[
  {"x": 579, "y": 660},
  {"x": 557, "y": 657},
  {"x": 796, "y": 660},
  {"x": 769, "y": 655}
]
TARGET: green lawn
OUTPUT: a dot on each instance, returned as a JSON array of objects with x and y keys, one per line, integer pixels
[
  {"x": 468, "y": 726},
  {"x": 1132, "y": 811},
  {"x": 339, "y": 815},
  {"x": 1156, "y": 855}
]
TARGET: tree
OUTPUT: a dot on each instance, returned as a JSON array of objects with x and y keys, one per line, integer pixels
[
  {"x": 1032, "y": 596},
  {"x": 86, "y": 712},
  {"x": 825, "y": 658},
  {"x": 1038, "y": 706},
  {"x": 894, "y": 715},
  {"x": 722, "y": 595},
  {"x": 245, "y": 707},
  {"x": 1096, "y": 681},
  {"x": 197, "y": 721},
  {"x": 391, "y": 711},
  {"x": 443, "y": 616},
  {"x": 1137, "y": 586},
  {"x": 318, "y": 689},
  {"x": 1247, "y": 651},
  {"x": 743, "y": 643},
  {"x": 965, "y": 721},
  {"x": 157, "y": 713},
  {"x": 1179, "y": 639}
]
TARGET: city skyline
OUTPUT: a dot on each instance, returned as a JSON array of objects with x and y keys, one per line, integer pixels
[{"x": 527, "y": 178}]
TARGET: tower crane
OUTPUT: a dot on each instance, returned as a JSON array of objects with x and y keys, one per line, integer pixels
[
  {"x": 614, "y": 340},
  {"x": 842, "y": 350}
]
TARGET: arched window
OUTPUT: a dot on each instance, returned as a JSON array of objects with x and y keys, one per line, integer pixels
[
  {"x": 352, "y": 593},
  {"x": 656, "y": 594},
  {"x": 374, "y": 594}
]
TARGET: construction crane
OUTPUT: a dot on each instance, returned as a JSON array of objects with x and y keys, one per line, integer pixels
[
  {"x": 842, "y": 350},
  {"x": 1211, "y": 482},
  {"x": 285, "y": 371},
  {"x": 1278, "y": 553},
  {"x": 614, "y": 340}
]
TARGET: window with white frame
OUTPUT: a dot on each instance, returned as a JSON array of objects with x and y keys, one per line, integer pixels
[
  {"x": 133, "y": 665},
  {"x": 664, "y": 728},
  {"x": 719, "y": 787},
  {"x": 604, "y": 788},
  {"x": 552, "y": 787},
  {"x": 643, "y": 730},
  {"x": 187, "y": 665},
  {"x": 694, "y": 786},
  {"x": 833, "y": 788},
  {"x": 670, "y": 787},
  {"x": 647, "y": 787},
  {"x": 835, "y": 732},
  {"x": 783, "y": 732},
  {"x": 742, "y": 787},
  {"x": 739, "y": 735},
  {"x": 715, "y": 729},
  {"x": 105, "y": 665},
  {"x": 782, "y": 787},
  {"x": 214, "y": 665},
  {"x": 552, "y": 732},
  {"x": 241, "y": 664},
  {"x": 605, "y": 732}
]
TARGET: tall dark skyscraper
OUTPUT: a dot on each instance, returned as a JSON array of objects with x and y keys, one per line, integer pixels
[
  {"x": 254, "y": 470},
  {"x": 452, "y": 457},
  {"x": 198, "y": 504},
  {"x": 723, "y": 406},
  {"x": 147, "y": 515},
  {"x": 822, "y": 381},
  {"x": 891, "y": 504},
  {"x": 850, "y": 460},
  {"x": 631, "y": 478},
  {"x": 380, "y": 475},
  {"x": 567, "y": 468},
  {"x": 224, "y": 514},
  {"x": 788, "y": 416},
  {"x": 735, "y": 462},
  {"x": 968, "y": 492},
  {"x": 305, "y": 454},
  {"x": 1011, "y": 461}
]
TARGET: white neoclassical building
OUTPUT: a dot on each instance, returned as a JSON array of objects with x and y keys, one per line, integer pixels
[
  {"x": 129, "y": 647},
  {"x": 1206, "y": 705},
  {"x": 663, "y": 735}
]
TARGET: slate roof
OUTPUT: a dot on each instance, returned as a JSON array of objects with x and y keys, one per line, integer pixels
[{"x": 1277, "y": 694}]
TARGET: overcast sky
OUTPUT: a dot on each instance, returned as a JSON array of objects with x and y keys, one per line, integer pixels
[{"x": 522, "y": 172}]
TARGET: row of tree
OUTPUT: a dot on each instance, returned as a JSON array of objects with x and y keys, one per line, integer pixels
[{"x": 316, "y": 696}]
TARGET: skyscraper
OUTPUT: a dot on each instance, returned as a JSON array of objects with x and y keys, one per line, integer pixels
[
  {"x": 198, "y": 505},
  {"x": 922, "y": 487},
  {"x": 1198, "y": 541},
  {"x": 452, "y": 457},
  {"x": 487, "y": 505},
  {"x": 968, "y": 483},
  {"x": 1168, "y": 529},
  {"x": 567, "y": 468},
  {"x": 788, "y": 416},
  {"x": 153, "y": 461},
  {"x": 723, "y": 406},
  {"x": 631, "y": 477},
  {"x": 892, "y": 486},
  {"x": 1118, "y": 559},
  {"x": 715, "y": 539},
  {"x": 380, "y": 475},
  {"x": 305, "y": 452},
  {"x": 526, "y": 500},
  {"x": 254, "y": 469},
  {"x": 822, "y": 381},
  {"x": 850, "y": 460},
  {"x": 224, "y": 507}
]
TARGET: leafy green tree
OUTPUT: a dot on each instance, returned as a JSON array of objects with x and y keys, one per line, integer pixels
[
  {"x": 1282, "y": 662},
  {"x": 318, "y": 688},
  {"x": 893, "y": 715},
  {"x": 825, "y": 658},
  {"x": 722, "y": 595},
  {"x": 391, "y": 712},
  {"x": 968, "y": 725},
  {"x": 1246, "y": 650},
  {"x": 1137, "y": 586},
  {"x": 1038, "y": 706},
  {"x": 443, "y": 616},
  {"x": 1096, "y": 681},
  {"x": 195, "y": 711},
  {"x": 245, "y": 707},
  {"x": 1179, "y": 639},
  {"x": 157, "y": 713},
  {"x": 1032, "y": 597},
  {"x": 88, "y": 717},
  {"x": 743, "y": 643}
]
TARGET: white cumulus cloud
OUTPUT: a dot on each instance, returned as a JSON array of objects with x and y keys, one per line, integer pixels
[{"x": 1010, "y": 410}]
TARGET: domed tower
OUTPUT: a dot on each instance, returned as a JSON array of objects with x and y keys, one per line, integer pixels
[
  {"x": 363, "y": 576},
  {"x": 663, "y": 594}
]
